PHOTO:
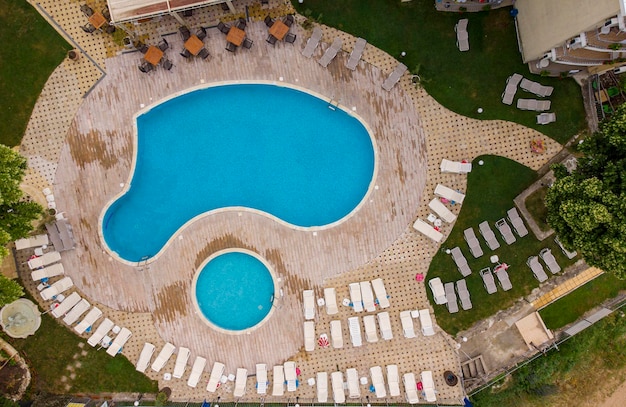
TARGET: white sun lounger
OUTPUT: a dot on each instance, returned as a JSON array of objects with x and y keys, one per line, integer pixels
[
  {"x": 427, "y": 230},
  {"x": 407, "y": 324},
  {"x": 567, "y": 253},
  {"x": 163, "y": 356},
  {"x": 196, "y": 371},
  {"x": 548, "y": 258},
  {"x": 441, "y": 210},
  {"x": 464, "y": 295},
  {"x": 546, "y": 118},
  {"x": 511, "y": 88},
  {"x": 339, "y": 394},
  {"x": 331, "y": 52},
  {"x": 76, "y": 311},
  {"x": 32, "y": 241},
  {"x": 89, "y": 319},
  {"x": 384, "y": 323},
  {"x": 330, "y": 298},
  {"x": 181, "y": 362},
  {"x": 448, "y": 193},
  {"x": 45, "y": 260},
  {"x": 144, "y": 357},
  {"x": 428, "y": 386},
  {"x": 453, "y": 305},
  {"x": 460, "y": 261},
  {"x": 378, "y": 381},
  {"x": 355, "y": 331},
  {"x": 472, "y": 242},
  {"x": 439, "y": 294},
  {"x": 355, "y": 297},
  {"x": 394, "y": 77},
  {"x": 505, "y": 231},
  {"x": 352, "y": 377},
  {"x": 240, "y": 382},
  {"x": 290, "y": 375},
  {"x": 537, "y": 268},
  {"x": 66, "y": 305},
  {"x": 336, "y": 334},
  {"x": 118, "y": 343},
  {"x": 355, "y": 55},
  {"x": 455, "y": 167},
  {"x": 278, "y": 387},
  {"x": 393, "y": 380},
  {"x": 426, "y": 322},
  {"x": 381, "y": 293},
  {"x": 533, "y": 104},
  {"x": 462, "y": 38},
  {"x": 503, "y": 279},
  {"x": 57, "y": 288},
  {"x": 261, "y": 378},
  {"x": 369, "y": 323},
  {"x": 103, "y": 329},
  {"x": 410, "y": 388},
  {"x": 48, "y": 272},
  {"x": 214, "y": 379},
  {"x": 308, "y": 302},
  {"x": 322, "y": 387},
  {"x": 312, "y": 42},
  {"x": 488, "y": 281},
  {"x": 517, "y": 222},
  {"x": 536, "y": 88},
  {"x": 488, "y": 235},
  {"x": 309, "y": 336},
  {"x": 367, "y": 295}
]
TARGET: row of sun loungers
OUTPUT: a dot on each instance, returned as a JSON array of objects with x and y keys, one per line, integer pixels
[
  {"x": 331, "y": 52},
  {"x": 355, "y": 55},
  {"x": 455, "y": 167},
  {"x": 362, "y": 297},
  {"x": 490, "y": 238},
  {"x": 394, "y": 77},
  {"x": 536, "y": 267},
  {"x": 428, "y": 387}
]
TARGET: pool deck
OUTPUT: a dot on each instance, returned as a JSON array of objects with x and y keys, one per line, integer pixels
[{"x": 80, "y": 142}]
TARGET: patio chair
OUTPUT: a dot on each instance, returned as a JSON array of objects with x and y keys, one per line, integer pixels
[
  {"x": 407, "y": 324},
  {"x": 118, "y": 343},
  {"x": 441, "y": 210},
  {"x": 369, "y": 324},
  {"x": 224, "y": 28},
  {"x": 88, "y": 28},
  {"x": 449, "y": 193},
  {"x": 331, "y": 52},
  {"x": 109, "y": 29},
  {"x": 464, "y": 295},
  {"x": 355, "y": 297},
  {"x": 105, "y": 326},
  {"x": 167, "y": 64},
  {"x": 452, "y": 302},
  {"x": 428, "y": 230},
  {"x": 517, "y": 222},
  {"x": 76, "y": 311},
  {"x": 355, "y": 331},
  {"x": 384, "y": 324},
  {"x": 289, "y": 20},
  {"x": 393, "y": 380},
  {"x": 378, "y": 381},
  {"x": 428, "y": 386},
  {"x": 567, "y": 253},
  {"x": 188, "y": 13},
  {"x": 87, "y": 11},
  {"x": 439, "y": 294},
  {"x": 308, "y": 304},
  {"x": 48, "y": 272},
  {"x": 163, "y": 44},
  {"x": 290, "y": 375},
  {"x": 225, "y": 7},
  {"x": 204, "y": 53},
  {"x": 505, "y": 231},
  {"x": 339, "y": 394},
  {"x": 548, "y": 258},
  {"x": 330, "y": 300},
  {"x": 261, "y": 378},
  {"x": 181, "y": 362},
  {"x": 214, "y": 379},
  {"x": 336, "y": 334},
  {"x": 290, "y": 38},
  {"x": 278, "y": 385},
  {"x": 367, "y": 296},
  {"x": 472, "y": 242},
  {"x": 460, "y": 261},
  {"x": 394, "y": 77},
  {"x": 144, "y": 357},
  {"x": 89, "y": 319},
  {"x": 503, "y": 278},
  {"x": 269, "y": 21},
  {"x": 196, "y": 371},
  {"x": 537, "y": 268},
  {"x": 352, "y": 379},
  {"x": 145, "y": 67},
  {"x": 546, "y": 118},
  {"x": 185, "y": 53},
  {"x": 312, "y": 42},
  {"x": 241, "y": 24},
  {"x": 488, "y": 281},
  {"x": 164, "y": 355},
  {"x": 247, "y": 43},
  {"x": 381, "y": 293},
  {"x": 322, "y": 387},
  {"x": 426, "y": 322},
  {"x": 141, "y": 47},
  {"x": 271, "y": 39},
  {"x": 231, "y": 47},
  {"x": 240, "y": 382},
  {"x": 309, "y": 336},
  {"x": 488, "y": 235},
  {"x": 410, "y": 388},
  {"x": 356, "y": 54},
  {"x": 57, "y": 288},
  {"x": 185, "y": 34}
]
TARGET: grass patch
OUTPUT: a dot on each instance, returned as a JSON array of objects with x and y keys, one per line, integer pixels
[
  {"x": 461, "y": 81},
  {"x": 569, "y": 308},
  {"x": 31, "y": 50},
  {"x": 535, "y": 203}
]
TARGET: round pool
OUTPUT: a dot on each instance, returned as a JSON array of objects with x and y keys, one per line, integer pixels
[{"x": 234, "y": 290}]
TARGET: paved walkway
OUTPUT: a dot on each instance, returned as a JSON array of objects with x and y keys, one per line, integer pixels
[{"x": 567, "y": 287}]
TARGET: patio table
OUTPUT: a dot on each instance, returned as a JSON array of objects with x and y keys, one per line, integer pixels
[
  {"x": 154, "y": 55},
  {"x": 279, "y": 30},
  {"x": 97, "y": 19},
  {"x": 235, "y": 36},
  {"x": 194, "y": 45}
]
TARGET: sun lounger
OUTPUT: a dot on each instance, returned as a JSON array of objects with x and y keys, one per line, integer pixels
[
  {"x": 505, "y": 231},
  {"x": 378, "y": 381},
  {"x": 355, "y": 331},
  {"x": 89, "y": 319},
  {"x": 322, "y": 387},
  {"x": 118, "y": 343},
  {"x": 503, "y": 278},
  {"x": 428, "y": 230},
  {"x": 367, "y": 296},
  {"x": 75, "y": 313},
  {"x": 240, "y": 382},
  {"x": 214, "y": 379},
  {"x": 439, "y": 294},
  {"x": 464, "y": 295},
  {"x": 331, "y": 52},
  {"x": 536, "y": 88},
  {"x": 511, "y": 88},
  {"x": 384, "y": 323},
  {"x": 460, "y": 261},
  {"x": 369, "y": 323},
  {"x": 448, "y": 193},
  {"x": 45, "y": 260},
  {"x": 308, "y": 304},
  {"x": 278, "y": 387},
  {"x": 455, "y": 167},
  {"x": 32, "y": 241},
  {"x": 163, "y": 356},
  {"x": 144, "y": 357},
  {"x": 290, "y": 375},
  {"x": 355, "y": 297},
  {"x": 517, "y": 222},
  {"x": 309, "y": 336},
  {"x": 546, "y": 118},
  {"x": 453, "y": 305},
  {"x": 441, "y": 210},
  {"x": 57, "y": 288},
  {"x": 352, "y": 377},
  {"x": 381, "y": 293},
  {"x": 548, "y": 258},
  {"x": 330, "y": 299},
  {"x": 355, "y": 55},
  {"x": 336, "y": 334},
  {"x": 462, "y": 38},
  {"x": 103, "y": 329},
  {"x": 196, "y": 371},
  {"x": 66, "y": 305},
  {"x": 339, "y": 394},
  {"x": 533, "y": 104},
  {"x": 181, "y": 362},
  {"x": 488, "y": 235},
  {"x": 488, "y": 281},
  {"x": 567, "y": 253},
  {"x": 426, "y": 321},
  {"x": 394, "y": 77},
  {"x": 410, "y": 388},
  {"x": 312, "y": 42},
  {"x": 472, "y": 242},
  {"x": 428, "y": 386},
  {"x": 393, "y": 380},
  {"x": 48, "y": 272},
  {"x": 261, "y": 378},
  {"x": 407, "y": 324}
]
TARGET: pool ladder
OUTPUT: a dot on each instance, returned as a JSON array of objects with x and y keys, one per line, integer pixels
[{"x": 333, "y": 104}]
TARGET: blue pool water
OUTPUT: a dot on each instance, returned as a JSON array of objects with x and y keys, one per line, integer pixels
[
  {"x": 234, "y": 291},
  {"x": 273, "y": 149}
]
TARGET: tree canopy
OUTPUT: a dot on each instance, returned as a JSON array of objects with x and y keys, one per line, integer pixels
[{"x": 587, "y": 207}]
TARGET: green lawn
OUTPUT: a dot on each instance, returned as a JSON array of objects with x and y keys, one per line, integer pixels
[
  {"x": 462, "y": 82},
  {"x": 31, "y": 50}
]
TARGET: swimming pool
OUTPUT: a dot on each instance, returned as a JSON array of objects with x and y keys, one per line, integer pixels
[
  {"x": 276, "y": 150},
  {"x": 234, "y": 290}
]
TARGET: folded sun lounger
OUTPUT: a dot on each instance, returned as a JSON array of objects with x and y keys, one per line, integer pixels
[
  {"x": 548, "y": 258},
  {"x": 407, "y": 324},
  {"x": 488, "y": 235},
  {"x": 393, "y": 380},
  {"x": 352, "y": 377},
  {"x": 144, "y": 357},
  {"x": 261, "y": 378},
  {"x": 103, "y": 329},
  {"x": 196, "y": 371},
  {"x": 488, "y": 281},
  {"x": 517, "y": 222},
  {"x": 428, "y": 386},
  {"x": 410, "y": 388},
  {"x": 57, "y": 288},
  {"x": 428, "y": 230},
  {"x": 394, "y": 77},
  {"x": 439, "y": 294},
  {"x": 460, "y": 261},
  {"x": 290, "y": 375},
  {"x": 384, "y": 323},
  {"x": 308, "y": 304},
  {"x": 312, "y": 42},
  {"x": 464, "y": 295},
  {"x": 369, "y": 322},
  {"x": 163, "y": 356},
  {"x": 455, "y": 167},
  {"x": 355, "y": 55},
  {"x": 309, "y": 336},
  {"x": 322, "y": 387},
  {"x": 181, "y": 362},
  {"x": 331, "y": 52},
  {"x": 355, "y": 331},
  {"x": 66, "y": 305},
  {"x": 378, "y": 381},
  {"x": 381, "y": 293},
  {"x": 48, "y": 272},
  {"x": 330, "y": 299},
  {"x": 118, "y": 343},
  {"x": 278, "y": 387},
  {"x": 441, "y": 210},
  {"x": 75, "y": 313},
  {"x": 367, "y": 296},
  {"x": 453, "y": 305},
  {"x": 505, "y": 231},
  {"x": 355, "y": 297},
  {"x": 472, "y": 242},
  {"x": 448, "y": 193},
  {"x": 339, "y": 394},
  {"x": 89, "y": 319},
  {"x": 426, "y": 322},
  {"x": 214, "y": 379},
  {"x": 240, "y": 382},
  {"x": 336, "y": 334}
]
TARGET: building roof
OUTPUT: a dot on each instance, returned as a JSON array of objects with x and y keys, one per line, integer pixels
[
  {"x": 128, "y": 10},
  {"x": 543, "y": 25}
]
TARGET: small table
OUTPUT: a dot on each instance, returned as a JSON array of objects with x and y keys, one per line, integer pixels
[
  {"x": 97, "y": 19},
  {"x": 106, "y": 341},
  {"x": 346, "y": 302},
  {"x": 279, "y": 30},
  {"x": 116, "y": 329},
  {"x": 235, "y": 36},
  {"x": 194, "y": 45},
  {"x": 494, "y": 259},
  {"x": 154, "y": 55}
]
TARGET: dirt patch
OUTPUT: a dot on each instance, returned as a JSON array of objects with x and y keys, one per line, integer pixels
[{"x": 10, "y": 380}]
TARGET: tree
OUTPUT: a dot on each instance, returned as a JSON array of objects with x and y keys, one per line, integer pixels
[
  {"x": 10, "y": 290},
  {"x": 16, "y": 215},
  {"x": 587, "y": 207}
]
